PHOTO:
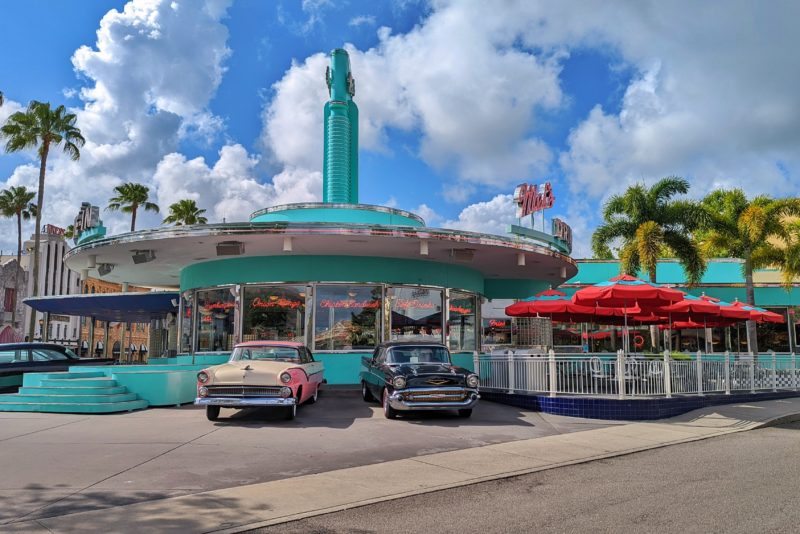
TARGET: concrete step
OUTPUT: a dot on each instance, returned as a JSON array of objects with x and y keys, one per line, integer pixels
[
  {"x": 71, "y": 390},
  {"x": 79, "y": 382},
  {"x": 55, "y": 407},
  {"x": 65, "y": 398},
  {"x": 72, "y": 374}
]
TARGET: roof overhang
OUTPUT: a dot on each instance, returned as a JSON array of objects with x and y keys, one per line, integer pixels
[{"x": 169, "y": 250}]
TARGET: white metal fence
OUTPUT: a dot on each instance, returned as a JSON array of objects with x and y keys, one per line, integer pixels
[{"x": 635, "y": 375}]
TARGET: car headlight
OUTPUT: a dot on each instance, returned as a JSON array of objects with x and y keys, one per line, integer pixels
[
  {"x": 472, "y": 381},
  {"x": 399, "y": 382},
  {"x": 286, "y": 377},
  {"x": 203, "y": 391},
  {"x": 202, "y": 377},
  {"x": 286, "y": 392}
]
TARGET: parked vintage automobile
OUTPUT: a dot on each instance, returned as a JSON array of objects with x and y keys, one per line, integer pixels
[
  {"x": 276, "y": 374},
  {"x": 406, "y": 376},
  {"x": 19, "y": 358}
]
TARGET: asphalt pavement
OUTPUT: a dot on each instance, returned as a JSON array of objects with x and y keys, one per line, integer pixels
[
  {"x": 737, "y": 483},
  {"x": 54, "y": 464}
]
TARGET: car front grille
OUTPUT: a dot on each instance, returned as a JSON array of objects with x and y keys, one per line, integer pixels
[
  {"x": 244, "y": 391},
  {"x": 435, "y": 395}
]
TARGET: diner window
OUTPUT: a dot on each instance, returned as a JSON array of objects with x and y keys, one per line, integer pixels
[
  {"x": 416, "y": 314},
  {"x": 461, "y": 324},
  {"x": 215, "y": 311},
  {"x": 187, "y": 307},
  {"x": 496, "y": 331},
  {"x": 346, "y": 317},
  {"x": 274, "y": 313}
]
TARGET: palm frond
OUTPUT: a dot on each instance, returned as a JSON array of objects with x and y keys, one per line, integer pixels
[
  {"x": 649, "y": 239},
  {"x": 689, "y": 255}
]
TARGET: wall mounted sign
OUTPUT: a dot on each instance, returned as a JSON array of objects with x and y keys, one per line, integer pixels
[
  {"x": 53, "y": 230},
  {"x": 530, "y": 198},
  {"x": 88, "y": 217},
  {"x": 562, "y": 231}
]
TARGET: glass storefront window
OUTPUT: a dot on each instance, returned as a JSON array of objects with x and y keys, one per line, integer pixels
[
  {"x": 274, "y": 313},
  {"x": 187, "y": 307},
  {"x": 346, "y": 317},
  {"x": 461, "y": 324},
  {"x": 215, "y": 318},
  {"x": 416, "y": 314}
]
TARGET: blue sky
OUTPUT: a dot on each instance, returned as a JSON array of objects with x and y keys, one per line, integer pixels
[{"x": 459, "y": 101}]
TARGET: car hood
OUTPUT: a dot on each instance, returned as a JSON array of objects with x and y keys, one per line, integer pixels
[{"x": 249, "y": 372}]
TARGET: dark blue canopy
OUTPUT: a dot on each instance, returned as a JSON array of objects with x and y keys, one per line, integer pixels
[{"x": 115, "y": 307}]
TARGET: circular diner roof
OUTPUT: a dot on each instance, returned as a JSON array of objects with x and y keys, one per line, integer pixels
[{"x": 155, "y": 258}]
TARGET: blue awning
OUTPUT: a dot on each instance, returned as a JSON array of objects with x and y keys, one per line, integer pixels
[{"x": 115, "y": 307}]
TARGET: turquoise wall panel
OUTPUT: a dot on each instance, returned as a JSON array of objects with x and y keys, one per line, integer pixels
[
  {"x": 290, "y": 268},
  {"x": 496, "y": 288},
  {"x": 10, "y": 381},
  {"x": 338, "y": 215}
]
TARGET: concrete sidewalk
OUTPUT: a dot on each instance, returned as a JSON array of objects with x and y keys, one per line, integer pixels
[{"x": 246, "y": 507}]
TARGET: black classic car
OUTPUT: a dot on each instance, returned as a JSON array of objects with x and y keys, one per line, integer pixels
[
  {"x": 406, "y": 376},
  {"x": 19, "y": 358}
]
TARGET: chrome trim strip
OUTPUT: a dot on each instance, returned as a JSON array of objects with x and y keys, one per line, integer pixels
[
  {"x": 236, "y": 402},
  {"x": 323, "y": 205},
  {"x": 396, "y": 401}
]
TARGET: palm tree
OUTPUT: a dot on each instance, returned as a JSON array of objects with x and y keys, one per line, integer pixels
[
  {"x": 185, "y": 212},
  {"x": 69, "y": 233},
  {"x": 41, "y": 126},
  {"x": 650, "y": 225},
  {"x": 736, "y": 227},
  {"x": 16, "y": 202},
  {"x": 130, "y": 197}
]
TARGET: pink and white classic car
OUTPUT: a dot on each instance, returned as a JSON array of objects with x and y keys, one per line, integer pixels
[{"x": 261, "y": 373}]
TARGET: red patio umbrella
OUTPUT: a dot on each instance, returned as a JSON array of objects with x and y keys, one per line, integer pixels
[
  {"x": 760, "y": 315},
  {"x": 556, "y": 306},
  {"x": 626, "y": 291}
]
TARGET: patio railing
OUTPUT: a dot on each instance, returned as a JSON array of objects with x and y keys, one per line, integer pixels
[{"x": 636, "y": 375}]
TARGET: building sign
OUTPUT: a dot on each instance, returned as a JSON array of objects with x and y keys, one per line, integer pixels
[
  {"x": 416, "y": 304},
  {"x": 88, "y": 217},
  {"x": 562, "y": 231},
  {"x": 50, "y": 229},
  {"x": 530, "y": 198},
  {"x": 499, "y": 323}
]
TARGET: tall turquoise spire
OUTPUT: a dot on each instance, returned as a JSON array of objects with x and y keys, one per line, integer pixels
[{"x": 340, "y": 158}]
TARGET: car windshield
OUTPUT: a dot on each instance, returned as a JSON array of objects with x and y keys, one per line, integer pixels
[
  {"x": 278, "y": 354},
  {"x": 405, "y": 355},
  {"x": 71, "y": 354}
]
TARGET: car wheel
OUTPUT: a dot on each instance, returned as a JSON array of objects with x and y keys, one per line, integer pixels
[
  {"x": 212, "y": 413},
  {"x": 291, "y": 411},
  {"x": 365, "y": 393},
  {"x": 465, "y": 413},
  {"x": 314, "y": 397},
  {"x": 388, "y": 411}
]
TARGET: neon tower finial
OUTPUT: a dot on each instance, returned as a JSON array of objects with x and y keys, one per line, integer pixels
[{"x": 340, "y": 157}]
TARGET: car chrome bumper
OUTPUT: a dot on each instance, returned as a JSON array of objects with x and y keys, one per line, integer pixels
[
  {"x": 397, "y": 402},
  {"x": 244, "y": 402}
]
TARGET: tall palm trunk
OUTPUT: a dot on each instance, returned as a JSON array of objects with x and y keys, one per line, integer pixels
[
  {"x": 750, "y": 292},
  {"x": 133, "y": 216},
  {"x": 37, "y": 234},
  {"x": 16, "y": 271}
]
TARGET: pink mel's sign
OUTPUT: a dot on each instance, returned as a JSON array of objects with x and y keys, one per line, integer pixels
[{"x": 530, "y": 198}]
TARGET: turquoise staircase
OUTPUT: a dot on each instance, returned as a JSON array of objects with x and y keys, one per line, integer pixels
[{"x": 71, "y": 392}]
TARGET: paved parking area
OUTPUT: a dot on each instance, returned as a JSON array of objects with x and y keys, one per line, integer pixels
[{"x": 51, "y": 464}]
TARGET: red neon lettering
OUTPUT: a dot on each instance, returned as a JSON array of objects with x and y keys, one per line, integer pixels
[
  {"x": 276, "y": 302},
  {"x": 530, "y": 200},
  {"x": 349, "y": 304}
]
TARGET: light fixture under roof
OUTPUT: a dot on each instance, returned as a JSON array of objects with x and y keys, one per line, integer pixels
[
  {"x": 143, "y": 256},
  {"x": 462, "y": 254},
  {"x": 230, "y": 248},
  {"x": 104, "y": 268}
]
